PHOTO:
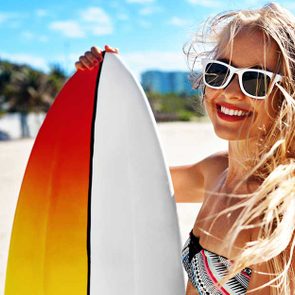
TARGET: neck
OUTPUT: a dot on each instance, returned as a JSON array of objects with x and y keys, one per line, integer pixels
[{"x": 240, "y": 154}]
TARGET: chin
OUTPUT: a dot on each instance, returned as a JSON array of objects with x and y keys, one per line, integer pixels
[{"x": 230, "y": 134}]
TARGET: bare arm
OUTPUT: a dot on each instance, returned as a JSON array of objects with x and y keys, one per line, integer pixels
[{"x": 188, "y": 183}]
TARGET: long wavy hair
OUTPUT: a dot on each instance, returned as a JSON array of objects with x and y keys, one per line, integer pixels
[{"x": 271, "y": 207}]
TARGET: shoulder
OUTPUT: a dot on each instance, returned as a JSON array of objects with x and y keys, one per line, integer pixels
[
  {"x": 215, "y": 163},
  {"x": 189, "y": 180},
  {"x": 210, "y": 166}
]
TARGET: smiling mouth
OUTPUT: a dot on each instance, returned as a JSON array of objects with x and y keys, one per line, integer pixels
[{"x": 232, "y": 112}]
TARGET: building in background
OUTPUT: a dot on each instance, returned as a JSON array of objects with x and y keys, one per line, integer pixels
[{"x": 167, "y": 82}]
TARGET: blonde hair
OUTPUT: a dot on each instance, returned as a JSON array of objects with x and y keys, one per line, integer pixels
[{"x": 270, "y": 208}]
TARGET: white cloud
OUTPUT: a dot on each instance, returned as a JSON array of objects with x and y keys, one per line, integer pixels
[
  {"x": 41, "y": 12},
  {"x": 92, "y": 20},
  {"x": 144, "y": 24},
  {"x": 178, "y": 22},
  {"x": 43, "y": 38},
  {"x": 97, "y": 21},
  {"x": 123, "y": 16},
  {"x": 29, "y": 36},
  {"x": 10, "y": 17},
  {"x": 32, "y": 60},
  {"x": 91, "y": 14},
  {"x": 149, "y": 10},
  {"x": 206, "y": 3},
  {"x": 140, "y": 1},
  {"x": 139, "y": 62},
  {"x": 288, "y": 5},
  {"x": 69, "y": 28},
  {"x": 3, "y": 17}
]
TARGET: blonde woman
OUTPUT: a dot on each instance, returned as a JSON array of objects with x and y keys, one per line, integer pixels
[{"x": 243, "y": 239}]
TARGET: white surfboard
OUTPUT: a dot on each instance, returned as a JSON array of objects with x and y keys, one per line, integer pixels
[{"x": 135, "y": 240}]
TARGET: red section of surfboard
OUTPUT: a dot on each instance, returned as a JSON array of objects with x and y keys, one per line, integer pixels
[{"x": 48, "y": 250}]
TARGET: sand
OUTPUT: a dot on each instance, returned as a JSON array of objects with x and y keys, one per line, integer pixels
[{"x": 183, "y": 143}]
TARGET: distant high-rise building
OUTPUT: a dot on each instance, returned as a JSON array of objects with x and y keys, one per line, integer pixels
[{"x": 167, "y": 82}]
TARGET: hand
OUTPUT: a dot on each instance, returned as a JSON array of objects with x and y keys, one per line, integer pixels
[{"x": 93, "y": 57}]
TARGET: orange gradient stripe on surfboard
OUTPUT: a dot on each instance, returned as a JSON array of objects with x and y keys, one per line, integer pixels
[{"x": 48, "y": 250}]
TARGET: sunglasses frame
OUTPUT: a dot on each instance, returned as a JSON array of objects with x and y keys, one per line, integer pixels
[{"x": 275, "y": 78}]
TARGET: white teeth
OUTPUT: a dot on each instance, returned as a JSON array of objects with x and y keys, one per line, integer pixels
[{"x": 232, "y": 112}]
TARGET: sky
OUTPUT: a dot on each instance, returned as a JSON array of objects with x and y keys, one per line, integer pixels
[{"x": 150, "y": 34}]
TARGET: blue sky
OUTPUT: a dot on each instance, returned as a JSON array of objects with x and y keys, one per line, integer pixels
[{"x": 149, "y": 33}]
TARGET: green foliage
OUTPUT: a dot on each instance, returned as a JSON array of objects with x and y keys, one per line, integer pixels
[
  {"x": 24, "y": 89},
  {"x": 56, "y": 78},
  {"x": 185, "y": 115},
  {"x": 175, "y": 107}
]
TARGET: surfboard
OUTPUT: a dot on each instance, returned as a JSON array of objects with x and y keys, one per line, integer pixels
[{"x": 96, "y": 212}]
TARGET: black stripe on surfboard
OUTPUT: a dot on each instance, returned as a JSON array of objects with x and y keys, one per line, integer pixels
[{"x": 90, "y": 176}]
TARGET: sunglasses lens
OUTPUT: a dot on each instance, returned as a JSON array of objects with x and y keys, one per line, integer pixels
[
  {"x": 256, "y": 83},
  {"x": 216, "y": 74}
]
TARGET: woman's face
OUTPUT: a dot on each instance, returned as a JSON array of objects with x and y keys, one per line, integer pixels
[{"x": 248, "y": 50}]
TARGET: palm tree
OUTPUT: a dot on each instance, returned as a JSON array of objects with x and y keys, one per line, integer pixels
[
  {"x": 6, "y": 70},
  {"x": 28, "y": 90},
  {"x": 56, "y": 79}
]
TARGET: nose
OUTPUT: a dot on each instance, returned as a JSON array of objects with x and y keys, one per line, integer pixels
[{"x": 233, "y": 89}]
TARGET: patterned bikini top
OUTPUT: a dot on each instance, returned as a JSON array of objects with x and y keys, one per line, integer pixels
[{"x": 205, "y": 268}]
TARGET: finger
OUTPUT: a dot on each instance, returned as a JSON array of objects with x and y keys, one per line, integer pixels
[
  {"x": 111, "y": 49},
  {"x": 97, "y": 52},
  {"x": 79, "y": 66},
  {"x": 92, "y": 58},
  {"x": 85, "y": 62}
]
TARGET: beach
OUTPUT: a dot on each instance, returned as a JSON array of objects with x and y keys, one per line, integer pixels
[{"x": 183, "y": 143}]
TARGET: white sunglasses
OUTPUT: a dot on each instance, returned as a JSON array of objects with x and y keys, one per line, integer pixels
[{"x": 254, "y": 83}]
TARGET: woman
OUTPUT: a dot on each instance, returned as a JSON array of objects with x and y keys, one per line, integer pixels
[{"x": 243, "y": 239}]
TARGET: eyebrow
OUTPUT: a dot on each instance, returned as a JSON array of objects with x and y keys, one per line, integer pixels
[{"x": 253, "y": 67}]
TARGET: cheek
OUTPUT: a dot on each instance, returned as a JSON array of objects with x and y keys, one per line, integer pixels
[
  {"x": 265, "y": 114},
  {"x": 210, "y": 96}
]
